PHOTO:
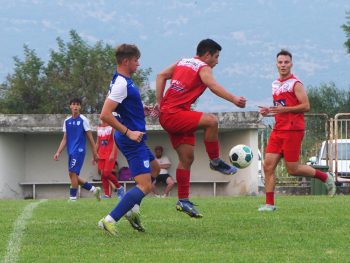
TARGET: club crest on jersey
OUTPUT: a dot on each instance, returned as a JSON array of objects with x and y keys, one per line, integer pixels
[
  {"x": 78, "y": 123},
  {"x": 279, "y": 102},
  {"x": 146, "y": 163}
]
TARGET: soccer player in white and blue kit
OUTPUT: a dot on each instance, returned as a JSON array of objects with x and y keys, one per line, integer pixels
[
  {"x": 130, "y": 136},
  {"x": 75, "y": 130}
]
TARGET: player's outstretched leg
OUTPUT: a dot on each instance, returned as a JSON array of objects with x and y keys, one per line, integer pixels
[
  {"x": 109, "y": 227},
  {"x": 186, "y": 206},
  {"x": 330, "y": 184},
  {"x": 222, "y": 167}
]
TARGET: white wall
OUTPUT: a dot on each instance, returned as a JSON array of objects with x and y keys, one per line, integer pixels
[
  {"x": 246, "y": 180},
  {"x": 12, "y": 168}
]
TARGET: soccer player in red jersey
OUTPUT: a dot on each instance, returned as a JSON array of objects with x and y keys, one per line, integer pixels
[
  {"x": 290, "y": 102},
  {"x": 189, "y": 79},
  {"x": 107, "y": 152}
]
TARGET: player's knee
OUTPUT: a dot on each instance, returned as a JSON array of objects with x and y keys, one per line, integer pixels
[
  {"x": 187, "y": 162},
  {"x": 146, "y": 187},
  {"x": 212, "y": 120},
  {"x": 187, "y": 159},
  {"x": 170, "y": 182},
  {"x": 292, "y": 170}
]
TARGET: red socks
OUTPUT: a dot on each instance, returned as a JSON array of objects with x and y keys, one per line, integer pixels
[
  {"x": 270, "y": 198},
  {"x": 321, "y": 175},
  {"x": 212, "y": 149},
  {"x": 113, "y": 179},
  {"x": 109, "y": 177},
  {"x": 183, "y": 183},
  {"x": 105, "y": 185}
]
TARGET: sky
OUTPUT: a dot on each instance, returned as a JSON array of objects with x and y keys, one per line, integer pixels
[{"x": 251, "y": 33}]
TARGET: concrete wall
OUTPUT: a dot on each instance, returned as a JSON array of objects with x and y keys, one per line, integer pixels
[
  {"x": 28, "y": 143},
  {"x": 12, "y": 165}
]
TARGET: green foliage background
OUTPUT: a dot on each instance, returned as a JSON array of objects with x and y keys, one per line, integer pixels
[{"x": 75, "y": 69}]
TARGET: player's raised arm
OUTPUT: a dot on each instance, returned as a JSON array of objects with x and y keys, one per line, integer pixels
[
  {"x": 209, "y": 80},
  {"x": 161, "y": 80}
]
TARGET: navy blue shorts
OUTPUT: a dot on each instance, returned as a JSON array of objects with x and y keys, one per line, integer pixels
[
  {"x": 75, "y": 162},
  {"x": 138, "y": 155}
]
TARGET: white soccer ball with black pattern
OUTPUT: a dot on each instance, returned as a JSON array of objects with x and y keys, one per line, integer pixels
[{"x": 241, "y": 156}]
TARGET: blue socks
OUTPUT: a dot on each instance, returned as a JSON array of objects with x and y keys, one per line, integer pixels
[
  {"x": 87, "y": 186},
  {"x": 132, "y": 197},
  {"x": 73, "y": 192}
]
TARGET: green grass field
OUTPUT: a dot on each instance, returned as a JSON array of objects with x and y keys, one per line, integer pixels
[{"x": 303, "y": 229}]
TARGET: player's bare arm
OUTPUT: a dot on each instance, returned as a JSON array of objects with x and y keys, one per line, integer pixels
[
  {"x": 209, "y": 80},
  {"x": 92, "y": 145},
  {"x": 161, "y": 80},
  {"x": 304, "y": 105},
  {"x": 108, "y": 117},
  {"x": 60, "y": 147}
]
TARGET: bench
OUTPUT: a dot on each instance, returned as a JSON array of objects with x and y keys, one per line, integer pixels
[{"x": 34, "y": 184}]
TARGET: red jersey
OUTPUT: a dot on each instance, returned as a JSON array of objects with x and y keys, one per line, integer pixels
[
  {"x": 283, "y": 94},
  {"x": 105, "y": 137},
  {"x": 185, "y": 86}
]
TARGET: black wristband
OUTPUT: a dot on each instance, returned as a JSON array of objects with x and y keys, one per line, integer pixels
[{"x": 126, "y": 131}]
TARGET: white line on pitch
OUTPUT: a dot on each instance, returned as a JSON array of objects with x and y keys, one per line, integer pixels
[{"x": 14, "y": 244}]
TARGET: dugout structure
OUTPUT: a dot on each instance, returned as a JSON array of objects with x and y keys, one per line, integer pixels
[{"x": 28, "y": 143}]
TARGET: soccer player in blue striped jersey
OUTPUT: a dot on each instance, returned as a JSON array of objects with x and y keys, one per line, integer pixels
[
  {"x": 75, "y": 130},
  {"x": 124, "y": 99}
]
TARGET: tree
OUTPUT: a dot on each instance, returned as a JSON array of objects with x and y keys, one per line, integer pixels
[
  {"x": 75, "y": 69},
  {"x": 346, "y": 28},
  {"x": 328, "y": 99},
  {"x": 23, "y": 90}
]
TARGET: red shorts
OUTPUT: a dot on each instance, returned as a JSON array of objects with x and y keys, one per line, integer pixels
[
  {"x": 181, "y": 126},
  {"x": 106, "y": 165},
  {"x": 286, "y": 143}
]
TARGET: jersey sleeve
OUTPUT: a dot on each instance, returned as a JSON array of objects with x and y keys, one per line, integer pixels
[
  {"x": 64, "y": 124},
  {"x": 118, "y": 90},
  {"x": 86, "y": 123}
]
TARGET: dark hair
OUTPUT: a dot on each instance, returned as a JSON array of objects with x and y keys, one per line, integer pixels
[
  {"x": 158, "y": 148},
  {"x": 75, "y": 100},
  {"x": 284, "y": 52},
  {"x": 126, "y": 51},
  {"x": 207, "y": 45}
]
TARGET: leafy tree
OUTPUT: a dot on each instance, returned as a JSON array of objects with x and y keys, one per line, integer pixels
[
  {"x": 23, "y": 90},
  {"x": 328, "y": 99},
  {"x": 346, "y": 28},
  {"x": 75, "y": 69}
]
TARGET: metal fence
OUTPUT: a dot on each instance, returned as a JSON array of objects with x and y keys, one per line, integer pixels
[
  {"x": 340, "y": 157},
  {"x": 319, "y": 129}
]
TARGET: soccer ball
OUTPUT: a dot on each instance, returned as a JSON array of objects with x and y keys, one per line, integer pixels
[{"x": 241, "y": 156}]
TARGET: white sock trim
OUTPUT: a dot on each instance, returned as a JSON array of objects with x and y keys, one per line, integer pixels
[{"x": 110, "y": 219}]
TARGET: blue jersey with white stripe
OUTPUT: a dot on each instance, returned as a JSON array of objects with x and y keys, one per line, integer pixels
[
  {"x": 75, "y": 129},
  {"x": 130, "y": 108}
]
